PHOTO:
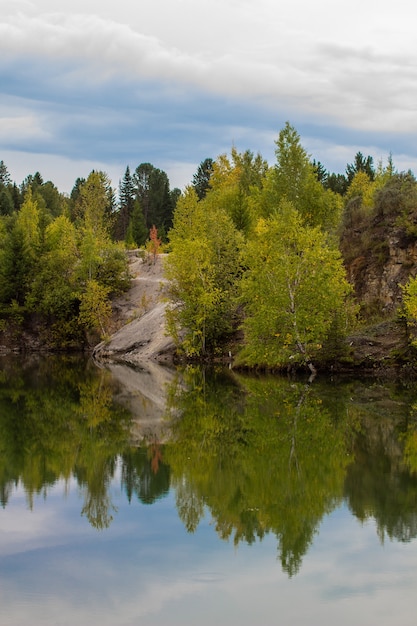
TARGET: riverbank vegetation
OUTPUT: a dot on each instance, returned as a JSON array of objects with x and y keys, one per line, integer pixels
[
  {"x": 275, "y": 251},
  {"x": 273, "y": 265}
]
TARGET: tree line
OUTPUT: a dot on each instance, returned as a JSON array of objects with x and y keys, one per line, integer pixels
[
  {"x": 257, "y": 251},
  {"x": 260, "y": 252},
  {"x": 62, "y": 258}
]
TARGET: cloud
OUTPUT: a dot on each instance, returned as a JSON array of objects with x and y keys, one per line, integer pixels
[
  {"x": 106, "y": 46},
  {"x": 21, "y": 127},
  {"x": 356, "y": 86},
  {"x": 118, "y": 84}
]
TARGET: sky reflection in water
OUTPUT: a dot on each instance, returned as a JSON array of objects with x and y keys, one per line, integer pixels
[{"x": 56, "y": 569}]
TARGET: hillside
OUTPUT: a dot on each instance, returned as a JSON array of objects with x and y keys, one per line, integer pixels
[{"x": 139, "y": 317}]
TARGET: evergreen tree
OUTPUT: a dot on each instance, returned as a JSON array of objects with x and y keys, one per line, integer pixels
[
  {"x": 360, "y": 164},
  {"x": 74, "y": 198},
  {"x": 20, "y": 253},
  {"x": 4, "y": 175},
  {"x": 32, "y": 181},
  {"x": 201, "y": 179},
  {"x": 13, "y": 270},
  {"x": 52, "y": 199},
  {"x": 137, "y": 231},
  {"x": 152, "y": 191},
  {"x": 321, "y": 172},
  {"x": 6, "y": 200},
  {"x": 336, "y": 183},
  {"x": 126, "y": 204}
]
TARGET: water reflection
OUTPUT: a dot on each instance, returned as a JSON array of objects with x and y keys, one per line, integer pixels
[
  {"x": 381, "y": 484},
  {"x": 144, "y": 474},
  {"x": 56, "y": 421},
  {"x": 262, "y": 455}
]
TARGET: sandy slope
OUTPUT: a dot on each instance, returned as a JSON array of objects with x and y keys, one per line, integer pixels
[
  {"x": 136, "y": 350},
  {"x": 140, "y": 316}
]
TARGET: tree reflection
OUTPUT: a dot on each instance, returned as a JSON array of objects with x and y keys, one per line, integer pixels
[
  {"x": 264, "y": 455},
  {"x": 261, "y": 454},
  {"x": 382, "y": 484},
  {"x": 145, "y": 474},
  {"x": 58, "y": 420}
]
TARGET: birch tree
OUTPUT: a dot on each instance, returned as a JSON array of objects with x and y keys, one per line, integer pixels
[{"x": 294, "y": 286}]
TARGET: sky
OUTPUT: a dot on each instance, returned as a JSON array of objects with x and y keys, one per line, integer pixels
[{"x": 94, "y": 84}]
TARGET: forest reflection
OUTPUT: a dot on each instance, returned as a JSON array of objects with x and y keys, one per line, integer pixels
[{"x": 258, "y": 454}]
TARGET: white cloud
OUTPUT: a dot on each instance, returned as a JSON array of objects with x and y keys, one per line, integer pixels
[
  {"x": 18, "y": 127},
  {"x": 362, "y": 85},
  {"x": 183, "y": 80}
]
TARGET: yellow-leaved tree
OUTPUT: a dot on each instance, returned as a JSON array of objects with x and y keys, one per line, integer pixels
[
  {"x": 293, "y": 288},
  {"x": 203, "y": 270}
]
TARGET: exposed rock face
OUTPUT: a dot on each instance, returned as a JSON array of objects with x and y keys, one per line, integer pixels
[
  {"x": 140, "y": 313},
  {"x": 378, "y": 281}
]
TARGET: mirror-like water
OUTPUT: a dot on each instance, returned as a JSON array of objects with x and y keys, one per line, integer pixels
[{"x": 161, "y": 497}]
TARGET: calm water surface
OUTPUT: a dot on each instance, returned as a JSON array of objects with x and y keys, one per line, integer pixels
[{"x": 155, "y": 497}]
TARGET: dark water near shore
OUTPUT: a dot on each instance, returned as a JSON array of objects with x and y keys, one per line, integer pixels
[{"x": 196, "y": 497}]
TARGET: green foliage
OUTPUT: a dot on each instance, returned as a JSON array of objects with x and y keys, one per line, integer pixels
[
  {"x": 336, "y": 183},
  {"x": 54, "y": 285},
  {"x": 126, "y": 204},
  {"x": 4, "y": 174},
  {"x": 294, "y": 286},
  {"x": 360, "y": 164},
  {"x": 396, "y": 203},
  {"x": 137, "y": 232},
  {"x": 203, "y": 269},
  {"x": 410, "y": 307},
  {"x": 201, "y": 179},
  {"x": 378, "y": 215},
  {"x": 362, "y": 187},
  {"x": 20, "y": 252},
  {"x": 233, "y": 182},
  {"x": 49, "y": 264},
  {"x": 95, "y": 308},
  {"x": 95, "y": 203},
  {"x": 153, "y": 192},
  {"x": 6, "y": 200},
  {"x": 295, "y": 180},
  {"x": 54, "y": 202},
  {"x": 74, "y": 198},
  {"x": 100, "y": 259}
]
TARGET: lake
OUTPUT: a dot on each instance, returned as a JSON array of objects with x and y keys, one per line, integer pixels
[{"x": 167, "y": 497}]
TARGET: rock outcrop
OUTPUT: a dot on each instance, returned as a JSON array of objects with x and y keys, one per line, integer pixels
[
  {"x": 140, "y": 317},
  {"x": 379, "y": 259}
]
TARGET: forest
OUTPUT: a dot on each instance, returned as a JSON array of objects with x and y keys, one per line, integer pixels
[{"x": 263, "y": 260}]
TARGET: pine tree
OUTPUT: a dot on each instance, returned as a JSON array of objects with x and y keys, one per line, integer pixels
[
  {"x": 4, "y": 175},
  {"x": 201, "y": 179},
  {"x": 153, "y": 192},
  {"x": 126, "y": 204}
]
